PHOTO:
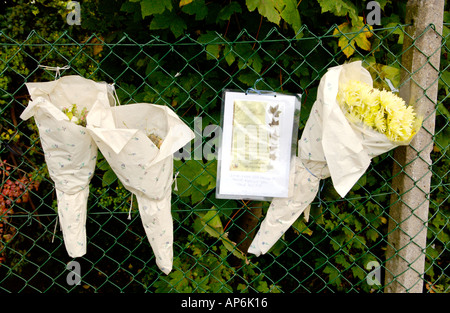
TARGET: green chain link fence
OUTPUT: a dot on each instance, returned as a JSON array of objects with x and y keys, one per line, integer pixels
[{"x": 341, "y": 248}]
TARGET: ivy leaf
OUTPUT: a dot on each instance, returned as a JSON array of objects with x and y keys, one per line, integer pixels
[
  {"x": 299, "y": 226},
  {"x": 185, "y": 2},
  {"x": 291, "y": 14},
  {"x": 267, "y": 8},
  {"x": 108, "y": 178},
  {"x": 333, "y": 275},
  {"x": 227, "y": 11},
  {"x": 169, "y": 20},
  {"x": 212, "y": 223},
  {"x": 197, "y": 8},
  {"x": 248, "y": 57},
  {"x": 231, "y": 246},
  {"x": 385, "y": 72},
  {"x": 275, "y": 10},
  {"x": 372, "y": 234},
  {"x": 229, "y": 55},
  {"x": 212, "y": 48},
  {"x": 358, "y": 272},
  {"x": 340, "y": 8},
  {"x": 351, "y": 35},
  {"x": 151, "y": 7},
  {"x": 103, "y": 165}
]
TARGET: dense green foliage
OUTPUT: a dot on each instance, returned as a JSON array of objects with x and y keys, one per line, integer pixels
[{"x": 183, "y": 54}]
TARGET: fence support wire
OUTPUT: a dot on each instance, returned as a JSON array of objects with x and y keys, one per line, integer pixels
[{"x": 412, "y": 170}]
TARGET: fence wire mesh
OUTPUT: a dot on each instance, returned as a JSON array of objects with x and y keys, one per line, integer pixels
[{"x": 340, "y": 249}]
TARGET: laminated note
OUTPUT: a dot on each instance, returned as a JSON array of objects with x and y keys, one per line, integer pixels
[
  {"x": 257, "y": 145},
  {"x": 250, "y": 142}
]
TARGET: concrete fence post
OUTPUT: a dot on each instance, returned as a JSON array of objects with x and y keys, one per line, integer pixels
[{"x": 407, "y": 228}]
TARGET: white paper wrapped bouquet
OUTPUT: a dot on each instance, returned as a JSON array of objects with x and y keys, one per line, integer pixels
[
  {"x": 76, "y": 117},
  {"x": 138, "y": 141},
  {"x": 60, "y": 109},
  {"x": 350, "y": 123}
]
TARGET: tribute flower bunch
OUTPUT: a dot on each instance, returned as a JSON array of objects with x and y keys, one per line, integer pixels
[
  {"x": 141, "y": 155},
  {"x": 75, "y": 116},
  {"x": 350, "y": 123},
  {"x": 60, "y": 109},
  {"x": 381, "y": 110}
]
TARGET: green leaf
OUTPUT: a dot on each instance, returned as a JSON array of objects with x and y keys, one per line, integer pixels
[
  {"x": 197, "y": 195},
  {"x": 227, "y": 11},
  {"x": 267, "y": 8},
  {"x": 248, "y": 78},
  {"x": 358, "y": 242},
  {"x": 169, "y": 20},
  {"x": 300, "y": 227},
  {"x": 183, "y": 186},
  {"x": 206, "y": 180},
  {"x": 195, "y": 179},
  {"x": 398, "y": 31},
  {"x": 248, "y": 57},
  {"x": 372, "y": 234},
  {"x": 212, "y": 48},
  {"x": 231, "y": 246},
  {"x": 152, "y": 7},
  {"x": 103, "y": 165},
  {"x": 381, "y": 72},
  {"x": 444, "y": 82},
  {"x": 340, "y": 8},
  {"x": 277, "y": 248},
  {"x": 291, "y": 14},
  {"x": 274, "y": 11},
  {"x": 333, "y": 275},
  {"x": 212, "y": 223},
  {"x": 229, "y": 55},
  {"x": 341, "y": 259},
  {"x": 442, "y": 139},
  {"x": 108, "y": 178},
  {"x": 197, "y": 8},
  {"x": 360, "y": 183},
  {"x": 358, "y": 272}
]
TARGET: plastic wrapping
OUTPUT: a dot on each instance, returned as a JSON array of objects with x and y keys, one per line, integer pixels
[{"x": 257, "y": 146}]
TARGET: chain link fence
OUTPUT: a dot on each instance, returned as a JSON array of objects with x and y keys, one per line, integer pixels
[{"x": 342, "y": 248}]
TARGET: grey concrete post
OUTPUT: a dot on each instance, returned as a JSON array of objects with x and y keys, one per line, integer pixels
[{"x": 407, "y": 229}]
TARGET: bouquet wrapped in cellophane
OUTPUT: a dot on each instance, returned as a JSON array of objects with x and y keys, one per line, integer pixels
[{"x": 350, "y": 123}]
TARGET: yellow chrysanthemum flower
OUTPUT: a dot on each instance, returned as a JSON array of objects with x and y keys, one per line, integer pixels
[
  {"x": 379, "y": 109},
  {"x": 380, "y": 121}
]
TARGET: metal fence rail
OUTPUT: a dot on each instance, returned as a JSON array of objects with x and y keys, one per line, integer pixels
[{"x": 341, "y": 248}]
